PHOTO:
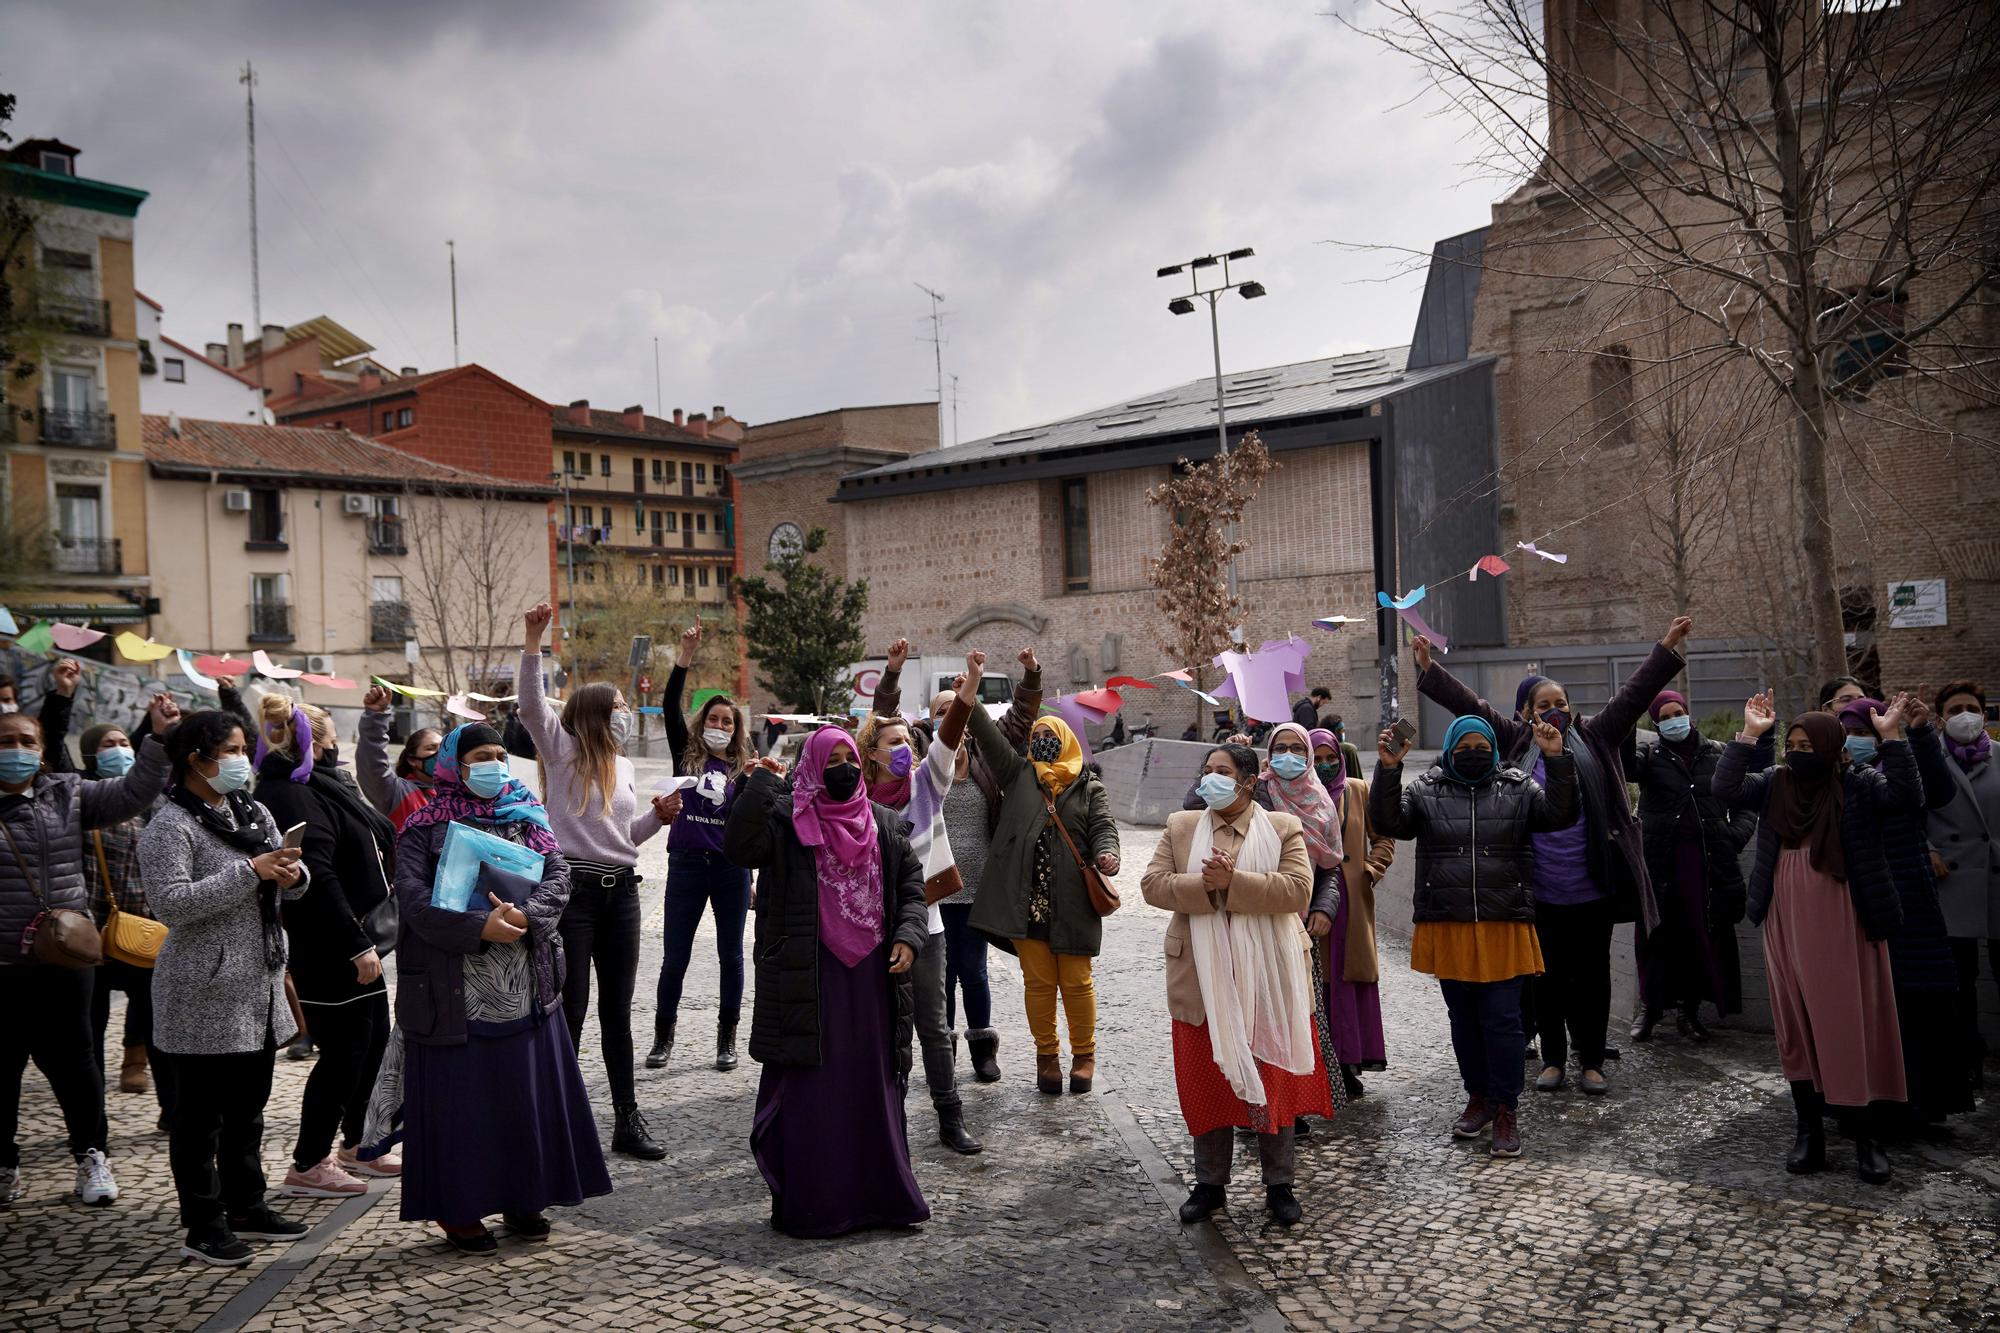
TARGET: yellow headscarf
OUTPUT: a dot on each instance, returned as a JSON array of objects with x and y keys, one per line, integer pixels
[{"x": 1068, "y": 765}]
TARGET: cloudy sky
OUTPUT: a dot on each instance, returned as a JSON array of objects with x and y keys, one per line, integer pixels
[{"x": 761, "y": 185}]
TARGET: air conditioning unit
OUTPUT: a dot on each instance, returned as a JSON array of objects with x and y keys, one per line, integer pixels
[
  {"x": 355, "y": 504},
  {"x": 236, "y": 502},
  {"x": 320, "y": 664}
]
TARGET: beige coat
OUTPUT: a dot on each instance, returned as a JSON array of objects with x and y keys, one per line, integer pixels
[
  {"x": 1171, "y": 883},
  {"x": 1364, "y": 858}
]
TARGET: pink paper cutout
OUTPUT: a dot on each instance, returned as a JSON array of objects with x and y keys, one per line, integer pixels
[
  {"x": 73, "y": 638},
  {"x": 1130, "y": 682},
  {"x": 1416, "y": 622},
  {"x": 1106, "y": 702},
  {"x": 329, "y": 682},
  {"x": 458, "y": 707},
  {"x": 1489, "y": 564},
  {"x": 222, "y": 666},
  {"x": 1181, "y": 676}
]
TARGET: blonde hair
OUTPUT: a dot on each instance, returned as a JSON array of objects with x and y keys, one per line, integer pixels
[
  {"x": 586, "y": 716},
  {"x": 274, "y": 720},
  {"x": 864, "y": 740}
]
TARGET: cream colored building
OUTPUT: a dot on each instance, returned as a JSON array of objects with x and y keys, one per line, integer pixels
[{"x": 334, "y": 554}]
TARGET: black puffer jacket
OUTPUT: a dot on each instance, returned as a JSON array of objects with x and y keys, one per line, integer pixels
[
  {"x": 785, "y": 1017},
  {"x": 1667, "y": 782},
  {"x": 1475, "y": 849}
]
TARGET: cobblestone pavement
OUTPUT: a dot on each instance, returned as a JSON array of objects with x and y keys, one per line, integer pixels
[{"x": 1663, "y": 1206}]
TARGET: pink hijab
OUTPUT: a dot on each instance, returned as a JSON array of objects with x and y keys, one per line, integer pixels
[
  {"x": 845, "y": 852},
  {"x": 1306, "y": 796}
]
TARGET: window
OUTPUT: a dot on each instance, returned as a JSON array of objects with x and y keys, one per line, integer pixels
[
  {"x": 388, "y": 421},
  {"x": 589, "y": 516},
  {"x": 703, "y": 576},
  {"x": 569, "y": 517},
  {"x": 62, "y": 164},
  {"x": 1076, "y": 535},
  {"x": 687, "y": 471},
  {"x": 659, "y": 576},
  {"x": 270, "y": 608},
  {"x": 604, "y": 463},
  {"x": 267, "y": 589},
  {"x": 673, "y": 521},
  {"x": 638, "y": 474},
  {"x": 701, "y": 474},
  {"x": 674, "y": 576},
  {"x": 1866, "y": 329},
  {"x": 701, "y": 522},
  {"x": 719, "y": 478},
  {"x": 638, "y": 518},
  {"x": 267, "y": 517},
  {"x": 656, "y": 471},
  {"x": 76, "y": 259},
  {"x": 569, "y": 462},
  {"x": 80, "y": 547},
  {"x": 659, "y": 537},
  {"x": 1611, "y": 395},
  {"x": 174, "y": 370},
  {"x": 404, "y": 417}
]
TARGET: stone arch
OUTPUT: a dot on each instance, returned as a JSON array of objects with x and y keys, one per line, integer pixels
[{"x": 1011, "y": 613}]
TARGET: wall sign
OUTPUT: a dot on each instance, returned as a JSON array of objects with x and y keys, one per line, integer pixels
[{"x": 1916, "y": 604}]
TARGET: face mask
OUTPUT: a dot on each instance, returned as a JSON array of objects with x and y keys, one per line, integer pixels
[
  {"x": 232, "y": 773},
  {"x": 1557, "y": 718},
  {"x": 1676, "y": 728},
  {"x": 900, "y": 760},
  {"x": 1806, "y": 766},
  {"x": 430, "y": 766},
  {"x": 485, "y": 780},
  {"x": 1472, "y": 765},
  {"x": 1217, "y": 790},
  {"x": 621, "y": 727},
  {"x": 19, "y": 765},
  {"x": 842, "y": 780},
  {"x": 1288, "y": 765},
  {"x": 1045, "y": 749},
  {"x": 9, "y": 708},
  {"x": 1964, "y": 728},
  {"x": 1328, "y": 773},
  {"x": 115, "y": 763},
  {"x": 1861, "y": 749},
  {"x": 716, "y": 741},
  {"x": 331, "y": 758}
]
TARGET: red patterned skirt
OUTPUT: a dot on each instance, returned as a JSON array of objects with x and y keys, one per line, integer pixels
[{"x": 1208, "y": 1102}]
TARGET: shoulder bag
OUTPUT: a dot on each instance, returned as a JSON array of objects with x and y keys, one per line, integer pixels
[
  {"x": 1103, "y": 898},
  {"x": 134, "y": 940},
  {"x": 57, "y": 936}
]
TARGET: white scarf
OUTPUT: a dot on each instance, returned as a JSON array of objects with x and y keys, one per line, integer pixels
[{"x": 1256, "y": 983}]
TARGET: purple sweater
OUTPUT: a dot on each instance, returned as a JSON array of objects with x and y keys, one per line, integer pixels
[{"x": 1562, "y": 858}]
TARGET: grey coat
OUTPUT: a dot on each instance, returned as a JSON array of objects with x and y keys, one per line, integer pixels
[
  {"x": 213, "y": 993},
  {"x": 1965, "y": 833},
  {"x": 48, "y": 825}
]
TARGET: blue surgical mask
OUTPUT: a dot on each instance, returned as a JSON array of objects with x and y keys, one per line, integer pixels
[
  {"x": 1676, "y": 728},
  {"x": 1216, "y": 790},
  {"x": 1288, "y": 766},
  {"x": 19, "y": 765},
  {"x": 115, "y": 762},
  {"x": 232, "y": 773},
  {"x": 486, "y": 779},
  {"x": 1861, "y": 749}
]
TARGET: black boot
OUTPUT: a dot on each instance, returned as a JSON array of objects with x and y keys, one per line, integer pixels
[
  {"x": 1869, "y": 1158},
  {"x": 1350, "y": 1079},
  {"x": 1809, "y": 1148},
  {"x": 631, "y": 1137},
  {"x": 1282, "y": 1204},
  {"x": 1201, "y": 1201},
  {"x": 663, "y": 1046},
  {"x": 983, "y": 1045},
  {"x": 725, "y": 1041},
  {"x": 951, "y": 1131},
  {"x": 1691, "y": 1026},
  {"x": 1643, "y": 1025}
]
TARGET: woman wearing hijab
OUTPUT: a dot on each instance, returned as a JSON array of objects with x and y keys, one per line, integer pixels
[
  {"x": 1919, "y": 947},
  {"x": 494, "y": 1115},
  {"x": 1693, "y": 845},
  {"x": 111, "y": 871},
  {"x": 394, "y": 788},
  {"x": 1351, "y": 985},
  {"x": 1247, "y": 1051},
  {"x": 1822, "y": 890},
  {"x": 1965, "y": 835},
  {"x": 1474, "y": 823},
  {"x": 840, "y": 921},
  {"x": 599, "y": 822},
  {"x": 1033, "y": 901},
  {"x": 1289, "y": 785},
  {"x": 339, "y": 930}
]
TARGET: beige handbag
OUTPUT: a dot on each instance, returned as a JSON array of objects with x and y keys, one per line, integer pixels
[{"x": 134, "y": 940}]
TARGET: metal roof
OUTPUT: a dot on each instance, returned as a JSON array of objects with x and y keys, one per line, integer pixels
[{"x": 1333, "y": 384}]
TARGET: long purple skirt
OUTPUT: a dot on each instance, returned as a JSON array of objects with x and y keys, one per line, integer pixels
[
  {"x": 501, "y": 1124},
  {"x": 831, "y": 1140},
  {"x": 1353, "y": 1008},
  {"x": 1684, "y": 962}
]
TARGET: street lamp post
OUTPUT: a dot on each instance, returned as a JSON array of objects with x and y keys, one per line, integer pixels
[{"x": 1184, "y": 305}]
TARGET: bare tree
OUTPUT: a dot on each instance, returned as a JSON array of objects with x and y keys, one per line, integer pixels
[
  {"x": 1204, "y": 499},
  {"x": 1809, "y": 184},
  {"x": 467, "y": 579}
]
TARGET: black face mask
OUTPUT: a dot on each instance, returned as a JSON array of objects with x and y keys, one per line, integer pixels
[
  {"x": 842, "y": 780},
  {"x": 1045, "y": 749},
  {"x": 1472, "y": 765},
  {"x": 1328, "y": 773},
  {"x": 1807, "y": 766}
]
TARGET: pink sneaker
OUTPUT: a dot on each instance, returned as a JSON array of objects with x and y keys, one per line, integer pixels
[
  {"x": 388, "y": 1166},
  {"x": 324, "y": 1181}
]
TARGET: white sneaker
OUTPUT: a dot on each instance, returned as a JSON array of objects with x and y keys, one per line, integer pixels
[
  {"x": 94, "y": 1184},
  {"x": 10, "y": 1186}
]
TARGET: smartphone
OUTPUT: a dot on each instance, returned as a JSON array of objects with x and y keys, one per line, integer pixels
[
  {"x": 295, "y": 837},
  {"x": 1403, "y": 732}
]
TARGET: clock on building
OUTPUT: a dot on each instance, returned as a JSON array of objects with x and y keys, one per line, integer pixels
[{"x": 785, "y": 540}]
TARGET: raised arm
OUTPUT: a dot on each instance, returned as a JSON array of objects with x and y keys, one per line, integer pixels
[
  {"x": 670, "y": 702},
  {"x": 1445, "y": 690},
  {"x": 1020, "y": 717},
  {"x": 1740, "y": 780},
  {"x": 107, "y": 801},
  {"x": 57, "y": 703},
  {"x": 1899, "y": 786},
  {"x": 748, "y": 839},
  {"x": 1390, "y": 809},
  {"x": 994, "y": 748},
  {"x": 888, "y": 700},
  {"x": 542, "y": 719},
  {"x": 1616, "y": 720},
  {"x": 1381, "y": 847},
  {"x": 1933, "y": 766},
  {"x": 373, "y": 769}
]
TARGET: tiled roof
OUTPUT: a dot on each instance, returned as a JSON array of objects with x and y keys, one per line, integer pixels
[
  {"x": 655, "y": 428},
  {"x": 304, "y": 453},
  {"x": 387, "y": 388},
  {"x": 148, "y": 300}
]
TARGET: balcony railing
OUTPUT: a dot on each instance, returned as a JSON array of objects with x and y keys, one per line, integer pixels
[
  {"x": 77, "y": 314},
  {"x": 270, "y": 622},
  {"x": 390, "y": 622},
  {"x": 84, "y": 428},
  {"x": 85, "y": 555},
  {"x": 385, "y": 537}
]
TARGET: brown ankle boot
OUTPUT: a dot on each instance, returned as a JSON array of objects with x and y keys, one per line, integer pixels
[
  {"x": 1082, "y": 1069},
  {"x": 1048, "y": 1074},
  {"x": 132, "y": 1075}
]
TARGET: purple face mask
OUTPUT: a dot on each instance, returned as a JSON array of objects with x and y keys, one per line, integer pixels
[{"x": 900, "y": 761}]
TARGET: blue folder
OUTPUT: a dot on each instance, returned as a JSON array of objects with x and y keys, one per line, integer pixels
[{"x": 465, "y": 850}]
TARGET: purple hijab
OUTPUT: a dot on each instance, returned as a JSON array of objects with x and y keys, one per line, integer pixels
[{"x": 845, "y": 852}]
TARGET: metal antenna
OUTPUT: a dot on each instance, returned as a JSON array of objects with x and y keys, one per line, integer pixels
[
  {"x": 452, "y": 247},
  {"x": 954, "y": 409},
  {"x": 659, "y": 398},
  {"x": 936, "y": 341},
  {"x": 249, "y": 82}
]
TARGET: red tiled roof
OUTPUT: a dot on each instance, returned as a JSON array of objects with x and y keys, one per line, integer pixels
[
  {"x": 405, "y": 384},
  {"x": 183, "y": 347},
  {"x": 149, "y": 300},
  {"x": 655, "y": 428},
  {"x": 301, "y": 452}
]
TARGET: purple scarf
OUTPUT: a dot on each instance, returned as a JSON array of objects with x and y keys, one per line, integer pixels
[
  {"x": 845, "y": 852},
  {"x": 1969, "y": 756}
]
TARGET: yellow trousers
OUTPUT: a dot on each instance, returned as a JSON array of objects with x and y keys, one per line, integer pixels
[{"x": 1043, "y": 974}]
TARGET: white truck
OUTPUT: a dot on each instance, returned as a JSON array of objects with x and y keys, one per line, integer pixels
[{"x": 923, "y": 679}]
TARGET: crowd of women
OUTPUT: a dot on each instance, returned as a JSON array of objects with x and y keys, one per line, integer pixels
[{"x": 246, "y": 888}]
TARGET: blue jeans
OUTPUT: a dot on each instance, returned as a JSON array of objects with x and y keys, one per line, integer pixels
[
  {"x": 1486, "y": 1037},
  {"x": 965, "y": 969},
  {"x": 697, "y": 881}
]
